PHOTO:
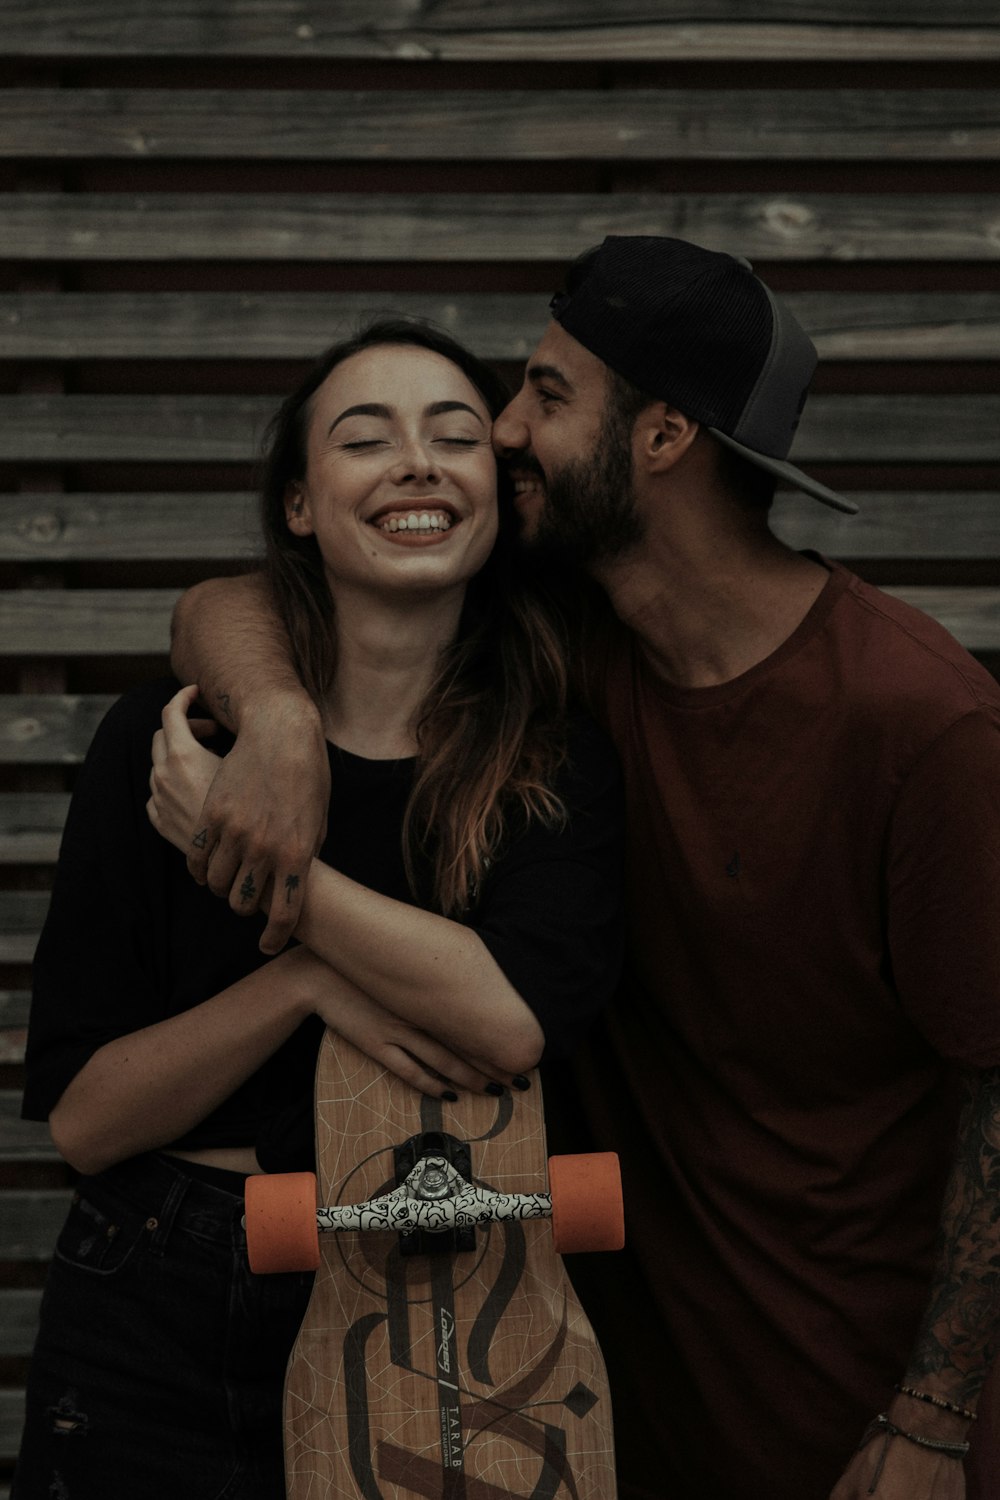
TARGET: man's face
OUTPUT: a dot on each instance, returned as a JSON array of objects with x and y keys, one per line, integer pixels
[{"x": 570, "y": 453}]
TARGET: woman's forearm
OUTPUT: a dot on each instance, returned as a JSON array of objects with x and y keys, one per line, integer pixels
[
  {"x": 432, "y": 972},
  {"x": 145, "y": 1090}
]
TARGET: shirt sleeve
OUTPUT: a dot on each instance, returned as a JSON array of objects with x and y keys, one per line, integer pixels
[
  {"x": 96, "y": 973},
  {"x": 944, "y": 891},
  {"x": 551, "y": 912}
]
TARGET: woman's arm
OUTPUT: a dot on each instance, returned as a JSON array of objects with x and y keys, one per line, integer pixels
[
  {"x": 427, "y": 970},
  {"x": 145, "y": 1090},
  {"x": 266, "y": 810}
]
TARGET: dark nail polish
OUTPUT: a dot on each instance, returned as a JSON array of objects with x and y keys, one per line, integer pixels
[
  {"x": 496, "y": 1089},
  {"x": 449, "y": 1096},
  {"x": 520, "y": 1082}
]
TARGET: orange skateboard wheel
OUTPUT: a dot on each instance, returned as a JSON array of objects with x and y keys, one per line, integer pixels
[
  {"x": 281, "y": 1222},
  {"x": 587, "y": 1209}
]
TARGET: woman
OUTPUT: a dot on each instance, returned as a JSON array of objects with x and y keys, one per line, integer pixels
[{"x": 463, "y": 913}]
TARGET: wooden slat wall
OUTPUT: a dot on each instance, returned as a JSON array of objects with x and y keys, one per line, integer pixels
[{"x": 197, "y": 197}]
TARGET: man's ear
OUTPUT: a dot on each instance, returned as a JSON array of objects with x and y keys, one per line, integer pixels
[
  {"x": 297, "y": 512},
  {"x": 662, "y": 437}
]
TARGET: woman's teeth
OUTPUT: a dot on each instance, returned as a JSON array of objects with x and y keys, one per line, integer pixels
[{"x": 417, "y": 521}]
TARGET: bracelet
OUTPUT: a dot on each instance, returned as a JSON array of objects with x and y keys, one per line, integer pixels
[
  {"x": 881, "y": 1423},
  {"x": 958, "y": 1411}
]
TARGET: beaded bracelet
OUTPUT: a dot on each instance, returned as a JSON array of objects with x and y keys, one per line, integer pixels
[
  {"x": 882, "y": 1424},
  {"x": 958, "y": 1411}
]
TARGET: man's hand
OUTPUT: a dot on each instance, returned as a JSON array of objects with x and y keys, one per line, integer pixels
[
  {"x": 264, "y": 817},
  {"x": 907, "y": 1473}
]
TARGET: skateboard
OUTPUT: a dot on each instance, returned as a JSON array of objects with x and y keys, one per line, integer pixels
[{"x": 443, "y": 1354}]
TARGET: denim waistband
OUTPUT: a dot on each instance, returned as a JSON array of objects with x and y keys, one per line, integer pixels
[{"x": 167, "y": 1196}]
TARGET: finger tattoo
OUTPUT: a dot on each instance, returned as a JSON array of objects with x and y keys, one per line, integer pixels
[
  {"x": 291, "y": 886},
  {"x": 248, "y": 890},
  {"x": 200, "y": 839}
]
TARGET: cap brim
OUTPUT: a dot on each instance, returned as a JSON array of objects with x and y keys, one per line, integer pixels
[{"x": 782, "y": 469}]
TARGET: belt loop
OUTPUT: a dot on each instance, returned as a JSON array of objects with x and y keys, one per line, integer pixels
[{"x": 161, "y": 1224}]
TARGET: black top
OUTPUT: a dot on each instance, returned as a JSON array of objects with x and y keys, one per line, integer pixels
[{"x": 130, "y": 939}]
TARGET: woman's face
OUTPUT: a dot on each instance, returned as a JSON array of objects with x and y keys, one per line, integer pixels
[{"x": 400, "y": 488}]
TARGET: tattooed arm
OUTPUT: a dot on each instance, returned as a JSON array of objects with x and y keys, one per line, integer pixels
[
  {"x": 265, "y": 812},
  {"x": 960, "y": 1333}
]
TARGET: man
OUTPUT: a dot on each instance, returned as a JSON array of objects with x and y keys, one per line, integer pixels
[{"x": 806, "y": 1056}]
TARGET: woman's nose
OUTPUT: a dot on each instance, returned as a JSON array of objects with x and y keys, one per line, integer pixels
[{"x": 415, "y": 461}]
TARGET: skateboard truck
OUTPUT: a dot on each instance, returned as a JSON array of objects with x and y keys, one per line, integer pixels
[{"x": 434, "y": 1200}]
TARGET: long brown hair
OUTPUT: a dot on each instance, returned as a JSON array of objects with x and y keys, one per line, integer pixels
[{"x": 491, "y": 733}]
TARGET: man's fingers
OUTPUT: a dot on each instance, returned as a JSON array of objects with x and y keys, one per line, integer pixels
[{"x": 285, "y": 909}]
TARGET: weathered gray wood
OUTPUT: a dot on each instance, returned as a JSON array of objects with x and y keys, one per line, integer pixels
[
  {"x": 226, "y": 429},
  {"x": 11, "y": 1418},
  {"x": 14, "y": 1006},
  {"x": 171, "y": 325},
  {"x": 960, "y": 525},
  {"x": 64, "y": 527},
  {"x": 30, "y": 1223},
  {"x": 54, "y": 527},
  {"x": 86, "y": 622},
  {"x": 786, "y": 226},
  {"x": 22, "y": 1140},
  {"x": 18, "y": 1315},
  {"x": 21, "y": 916},
  {"x": 560, "y": 30},
  {"x": 516, "y": 125},
  {"x": 972, "y": 615},
  {"x": 31, "y": 826},
  {"x": 49, "y": 729}
]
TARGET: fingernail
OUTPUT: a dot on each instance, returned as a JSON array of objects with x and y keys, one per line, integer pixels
[
  {"x": 520, "y": 1082},
  {"x": 451, "y": 1097},
  {"x": 496, "y": 1089}
]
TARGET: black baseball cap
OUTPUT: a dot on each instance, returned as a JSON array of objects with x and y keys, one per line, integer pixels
[{"x": 698, "y": 329}]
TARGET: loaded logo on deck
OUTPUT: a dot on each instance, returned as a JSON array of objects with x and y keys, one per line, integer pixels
[{"x": 447, "y": 1337}]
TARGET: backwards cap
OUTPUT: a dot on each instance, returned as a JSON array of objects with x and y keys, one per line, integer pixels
[{"x": 698, "y": 329}]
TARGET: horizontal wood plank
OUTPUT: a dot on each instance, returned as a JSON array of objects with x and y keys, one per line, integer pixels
[
  {"x": 18, "y": 1314},
  {"x": 31, "y": 825},
  {"x": 30, "y": 1223},
  {"x": 11, "y": 1420},
  {"x": 22, "y": 1140},
  {"x": 227, "y": 429},
  {"x": 22, "y": 914},
  {"x": 57, "y": 527},
  {"x": 456, "y": 30},
  {"x": 14, "y": 1008},
  {"x": 971, "y": 615},
  {"x": 963, "y": 525},
  {"x": 86, "y": 622},
  {"x": 221, "y": 526},
  {"x": 49, "y": 729},
  {"x": 514, "y": 125},
  {"x": 166, "y": 325},
  {"x": 455, "y": 226}
]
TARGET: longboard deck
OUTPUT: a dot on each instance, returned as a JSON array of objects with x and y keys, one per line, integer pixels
[{"x": 469, "y": 1376}]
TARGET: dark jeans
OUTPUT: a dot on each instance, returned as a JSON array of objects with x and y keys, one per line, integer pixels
[{"x": 159, "y": 1365}]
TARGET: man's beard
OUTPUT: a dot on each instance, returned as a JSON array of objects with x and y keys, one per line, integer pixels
[{"x": 589, "y": 515}]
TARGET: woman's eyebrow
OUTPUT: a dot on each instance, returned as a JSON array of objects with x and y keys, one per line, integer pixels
[
  {"x": 366, "y": 409},
  {"x": 376, "y": 409}
]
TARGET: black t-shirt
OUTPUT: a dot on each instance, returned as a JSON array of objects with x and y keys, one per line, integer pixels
[{"x": 130, "y": 939}]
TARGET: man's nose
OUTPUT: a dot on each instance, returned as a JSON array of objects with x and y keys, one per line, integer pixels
[{"x": 510, "y": 431}]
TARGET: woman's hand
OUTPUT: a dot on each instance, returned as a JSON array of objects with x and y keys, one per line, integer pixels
[
  {"x": 395, "y": 1045},
  {"x": 182, "y": 772}
]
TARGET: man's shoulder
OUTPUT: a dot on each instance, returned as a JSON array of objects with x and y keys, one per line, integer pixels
[{"x": 903, "y": 656}]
